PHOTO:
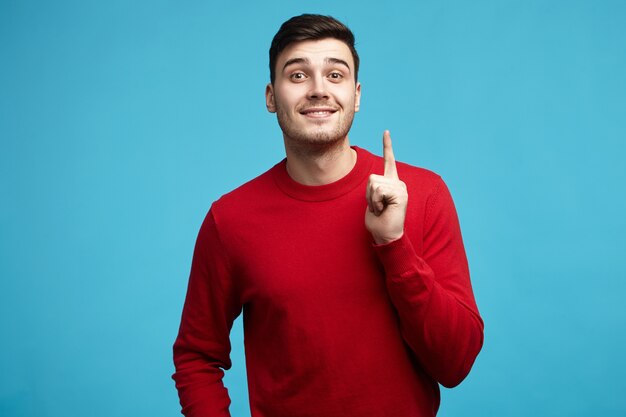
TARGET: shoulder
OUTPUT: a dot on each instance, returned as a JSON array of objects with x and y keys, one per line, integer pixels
[
  {"x": 418, "y": 180},
  {"x": 419, "y": 177},
  {"x": 245, "y": 199},
  {"x": 425, "y": 188}
]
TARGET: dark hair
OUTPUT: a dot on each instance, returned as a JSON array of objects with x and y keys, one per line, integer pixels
[{"x": 311, "y": 27}]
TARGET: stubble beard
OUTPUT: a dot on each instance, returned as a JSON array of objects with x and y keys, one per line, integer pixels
[{"x": 314, "y": 141}]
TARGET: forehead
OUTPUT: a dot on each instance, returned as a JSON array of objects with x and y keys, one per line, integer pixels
[{"x": 316, "y": 51}]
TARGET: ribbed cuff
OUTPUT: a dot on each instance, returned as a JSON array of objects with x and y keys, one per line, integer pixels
[{"x": 398, "y": 257}]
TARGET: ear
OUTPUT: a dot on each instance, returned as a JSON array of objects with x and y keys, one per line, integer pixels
[
  {"x": 357, "y": 97},
  {"x": 270, "y": 103}
]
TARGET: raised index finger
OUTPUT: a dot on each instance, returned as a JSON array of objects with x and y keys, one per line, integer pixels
[{"x": 390, "y": 160}]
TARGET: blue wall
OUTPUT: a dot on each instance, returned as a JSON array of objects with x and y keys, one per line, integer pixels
[{"x": 120, "y": 122}]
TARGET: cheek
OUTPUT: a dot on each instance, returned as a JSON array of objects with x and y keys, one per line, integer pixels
[
  {"x": 344, "y": 92},
  {"x": 287, "y": 101},
  {"x": 347, "y": 98},
  {"x": 291, "y": 92}
]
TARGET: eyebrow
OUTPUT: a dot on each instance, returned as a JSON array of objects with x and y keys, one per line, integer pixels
[{"x": 306, "y": 61}]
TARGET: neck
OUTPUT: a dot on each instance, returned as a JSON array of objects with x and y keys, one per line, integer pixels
[{"x": 321, "y": 165}]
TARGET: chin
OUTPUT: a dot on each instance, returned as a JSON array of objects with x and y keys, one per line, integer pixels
[
  {"x": 323, "y": 137},
  {"x": 314, "y": 137}
]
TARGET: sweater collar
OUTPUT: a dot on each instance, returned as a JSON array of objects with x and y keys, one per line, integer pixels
[{"x": 336, "y": 189}]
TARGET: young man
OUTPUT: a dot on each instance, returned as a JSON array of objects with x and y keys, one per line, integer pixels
[{"x": 356, "y": 302}]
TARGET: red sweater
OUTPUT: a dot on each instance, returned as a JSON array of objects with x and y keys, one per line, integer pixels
[{"x": 333, "y": 324}]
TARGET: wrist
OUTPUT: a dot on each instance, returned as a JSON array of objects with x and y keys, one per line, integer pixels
[{"x": 384, "y": 240}]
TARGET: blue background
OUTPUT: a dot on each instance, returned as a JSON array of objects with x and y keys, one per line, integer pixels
[{"x": 120, "y": 123}]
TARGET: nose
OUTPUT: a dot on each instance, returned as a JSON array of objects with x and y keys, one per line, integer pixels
[{"x": 318, "y": 89}]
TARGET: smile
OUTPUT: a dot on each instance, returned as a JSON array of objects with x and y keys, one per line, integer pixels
[{"x": 318, "y": 112}]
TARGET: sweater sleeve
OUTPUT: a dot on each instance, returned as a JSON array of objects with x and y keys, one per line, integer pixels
[
  {"x": 432, "y": 294},
  {"x": 202, "y": 348}
]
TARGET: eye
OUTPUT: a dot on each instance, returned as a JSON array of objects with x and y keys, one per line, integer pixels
[
  {"x": 335, "y": 76},
  {"x": 297, "y": 76}
]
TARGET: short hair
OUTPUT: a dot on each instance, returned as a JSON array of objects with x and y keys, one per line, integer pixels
[{"x": 311, "y": 27}]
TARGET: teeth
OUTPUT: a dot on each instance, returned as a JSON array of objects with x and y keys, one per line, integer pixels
[{"x": 319, "y": 112}]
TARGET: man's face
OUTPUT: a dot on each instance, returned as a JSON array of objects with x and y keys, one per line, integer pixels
[{"x": 314, "y": 94}]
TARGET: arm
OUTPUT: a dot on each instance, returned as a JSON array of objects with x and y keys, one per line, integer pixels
[
  {"x": 202, "y": 348},
  {"x": 439, "y": 319},
  {"x": 432, "y": 294}
]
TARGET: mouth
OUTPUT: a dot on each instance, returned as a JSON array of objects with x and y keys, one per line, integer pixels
[{"x": 318, "y": 112}]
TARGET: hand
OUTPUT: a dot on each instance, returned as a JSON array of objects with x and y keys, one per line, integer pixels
[{"x": 387, "y": 199}]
